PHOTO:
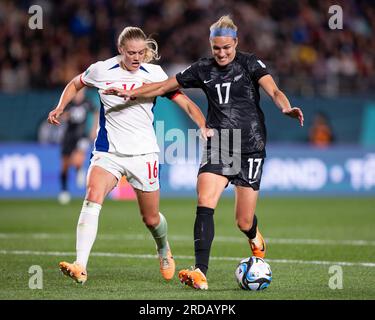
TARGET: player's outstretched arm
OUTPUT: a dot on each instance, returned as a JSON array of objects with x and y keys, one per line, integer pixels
[
  {"x": 149, "y": 90},
  {"x": 67, "y": 95},
  {"x": 194, "y": 113},
  {"x": 280, "y": 99}
]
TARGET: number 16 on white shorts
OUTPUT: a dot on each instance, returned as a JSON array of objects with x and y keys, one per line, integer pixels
[{"x": 141, "y": 171}]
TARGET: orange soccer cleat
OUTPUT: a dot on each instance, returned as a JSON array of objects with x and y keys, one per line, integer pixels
[
  {"x": 258, "y": 245},
  {"x": 167, "y": 265},
  {"x": 194, "y": 278},
  {"x": 74, "y": 270}
]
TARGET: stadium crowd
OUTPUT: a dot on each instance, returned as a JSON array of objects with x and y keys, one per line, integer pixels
[{"x": 292, "y": 37}]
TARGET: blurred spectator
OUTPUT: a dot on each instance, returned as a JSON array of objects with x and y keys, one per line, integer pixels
[
  {"x": 76, "y": 140},
  {"x": 307, "y": 57},
  {"x": 50, "y": 134},
  {"x": 320, "y": 132}
]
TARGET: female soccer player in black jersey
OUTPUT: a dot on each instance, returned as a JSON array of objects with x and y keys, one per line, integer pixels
[{"x": 235, "y": 153}]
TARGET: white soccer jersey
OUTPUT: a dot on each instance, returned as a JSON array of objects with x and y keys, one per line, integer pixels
[{"x": 125, "y": 127}]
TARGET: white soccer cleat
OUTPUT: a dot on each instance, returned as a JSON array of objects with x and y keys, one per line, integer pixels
[{"x": 64, "y": 197}]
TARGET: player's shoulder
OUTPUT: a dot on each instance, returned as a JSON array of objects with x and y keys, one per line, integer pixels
[
  {"x": 152, "y": 72},
  {"x": 205, "y": 62},
  {"x": 250, "y": 60},
  {"x": 104, "y": 65},
  {"x": 201, "y": 65},
  {"x": 151, "y": 68},
  {"x": 246, "y": 56}
]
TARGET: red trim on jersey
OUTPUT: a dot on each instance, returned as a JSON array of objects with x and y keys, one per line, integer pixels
[
  {"x": 80, "y": 79},
  {"x": 178, "y": 92}
]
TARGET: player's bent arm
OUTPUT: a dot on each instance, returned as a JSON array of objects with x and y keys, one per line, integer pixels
[
  {"x": 156, "y": 88},
  {"x": 67, "y": 95},
  {"x": 191, "y": 109},
  {"x": 279, "y": 98},
  {"x": 194, "y": 113},
  {"x": 149, "y": 90},
  {"x": 70, "y": 91}
]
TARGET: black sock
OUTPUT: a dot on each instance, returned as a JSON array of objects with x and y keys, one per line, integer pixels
[
  {"x": 63, "y": 181},
  {"x": 251, "y": 234},
  {"x": 204, "y": 231}
]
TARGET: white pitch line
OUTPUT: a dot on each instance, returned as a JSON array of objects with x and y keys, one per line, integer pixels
[
  {"x": 151, "y": 256},
  {"x": 141, "y": 237}
]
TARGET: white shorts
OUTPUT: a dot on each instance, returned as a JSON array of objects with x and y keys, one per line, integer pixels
[{"x": 141, "y": 171}]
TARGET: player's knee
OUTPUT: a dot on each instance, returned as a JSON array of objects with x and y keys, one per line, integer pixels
[
  {"x": 94, "y": 194},
  {"x": 244, "y": 224},
  {"x": 151, "y": 221},
  {"x": 205, "y": 200}
]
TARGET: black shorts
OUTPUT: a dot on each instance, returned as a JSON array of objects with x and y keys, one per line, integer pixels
[
  {"x": 243, "y": 170},
  {"x": 72, "y": 142}
]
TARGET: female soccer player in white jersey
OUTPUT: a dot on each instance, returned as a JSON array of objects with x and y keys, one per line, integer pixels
[
  {"x": 231, "y": 80},
  {"x": 125, "y": 145}
]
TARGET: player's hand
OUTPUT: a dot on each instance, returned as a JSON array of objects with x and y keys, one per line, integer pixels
[
  {"x": 206, "y": 133},
  {"x": 114, "y": 91},
  {"x": 54, "y": 115},
  {"x": 118, "y": 92},
  {"x": 295, "y": 113}
]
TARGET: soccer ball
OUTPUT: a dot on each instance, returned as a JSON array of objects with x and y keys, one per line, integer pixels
[{"x": 253, "y": 274}]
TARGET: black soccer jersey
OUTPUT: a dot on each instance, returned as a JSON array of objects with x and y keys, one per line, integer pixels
[
  {"x": 77, "y": 117},
  {"x": 233, "y": 96}
]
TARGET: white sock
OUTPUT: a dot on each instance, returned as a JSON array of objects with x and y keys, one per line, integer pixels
[{"x": 87, "y": 228}]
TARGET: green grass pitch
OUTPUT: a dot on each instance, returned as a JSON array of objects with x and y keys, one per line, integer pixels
[{"x": 305, "y": 237}]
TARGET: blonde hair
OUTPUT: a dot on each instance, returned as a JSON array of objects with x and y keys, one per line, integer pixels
[
  {"x": 224, "y": 22},
  {"x": 135, "y": 33}
]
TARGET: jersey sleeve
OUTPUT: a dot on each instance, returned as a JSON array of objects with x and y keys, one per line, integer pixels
[
  {"x": 91, "y": 76},
  {"x": 158, "y": 74},
  {"x": 189, "y": 78},
  {"x": 161, "y": 76},
  {"x": 256, "y": 68}
]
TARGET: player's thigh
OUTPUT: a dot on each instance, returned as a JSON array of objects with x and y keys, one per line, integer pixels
[
  {"x": 99, "y": 183},
  {"x": 142, "y": 172},
  {"x": 245, "y": 205},
  {"x": 210, "y": 186},
  {"x": 148, "y": 202}
]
